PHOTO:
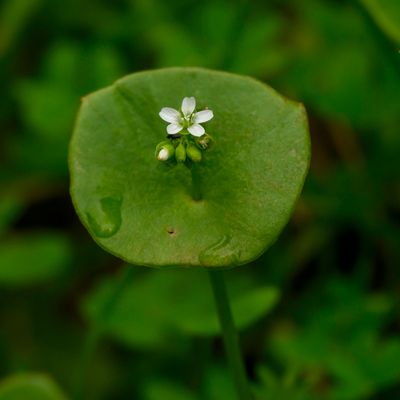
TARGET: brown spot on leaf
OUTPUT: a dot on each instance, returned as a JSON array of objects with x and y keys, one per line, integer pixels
[{"x": 171, "y": 231}]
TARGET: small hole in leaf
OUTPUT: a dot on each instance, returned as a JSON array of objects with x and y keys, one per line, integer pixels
[{"x": 171, "y": 231}]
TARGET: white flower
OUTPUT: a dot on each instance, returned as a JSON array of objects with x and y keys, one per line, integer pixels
[
  {"x": 186, "y": 118},
  {"x": 163, "y": 155}
]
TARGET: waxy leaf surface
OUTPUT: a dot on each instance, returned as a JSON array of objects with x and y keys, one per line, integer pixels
[{"x": 143, "y": 211}]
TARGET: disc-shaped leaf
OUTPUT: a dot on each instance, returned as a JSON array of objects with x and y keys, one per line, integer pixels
[
  {"x": 143, "y": 211},
  {"x": 32, "y": 386},
  {"x": 48, "y": 255},
  {"x": 137, "y": 319}
]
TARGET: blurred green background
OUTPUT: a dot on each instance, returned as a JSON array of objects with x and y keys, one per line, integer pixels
[{"x": 318, "y": 313}]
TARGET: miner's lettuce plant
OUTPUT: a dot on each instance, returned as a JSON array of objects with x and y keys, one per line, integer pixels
[{"x": 228, "y": 170}]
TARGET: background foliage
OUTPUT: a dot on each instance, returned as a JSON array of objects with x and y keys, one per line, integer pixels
[{"x": 318, "y": 313}]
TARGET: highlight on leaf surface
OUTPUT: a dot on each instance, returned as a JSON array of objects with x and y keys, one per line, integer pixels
[{"x": 246, "y": 184}]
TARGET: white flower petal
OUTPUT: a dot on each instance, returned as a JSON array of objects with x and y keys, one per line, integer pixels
[
  {"x": 174, "y": 128},
  {"x": 163, "y": 155},
  {"x": 203, "y": 116},
  {"x": 196, "y": 130},
  {"x": 188, "y": 105},
  {"x": 170, "y": 115}
]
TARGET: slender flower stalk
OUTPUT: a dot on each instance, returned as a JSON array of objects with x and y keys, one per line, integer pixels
[{"x": 230, "y": 335}]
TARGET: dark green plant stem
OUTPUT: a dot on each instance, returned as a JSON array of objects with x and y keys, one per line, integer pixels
[
  {"x": 386, "y": 44},
  {"x": 230, "y": 335},
  {"x": 238, "y": 25},
  {"x": 196, "y": 182},
  {"x": 97, "y": 329}
]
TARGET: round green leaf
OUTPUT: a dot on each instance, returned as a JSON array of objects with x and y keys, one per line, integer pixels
[
  {"x": 33, "y": 258},
  {"x": 30, "y": 386},
  {"x": 138, "y": 320},
  {"x": 144, "y": 212}
]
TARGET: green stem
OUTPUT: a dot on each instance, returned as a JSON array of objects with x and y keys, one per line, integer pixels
[
  {"x": 230, "y": 336},
  {"x": 97, "y": 329},
  {"x": 386, "y": 43},
  {"x": 235, "y": 33},
  {"x": 196, "y": 183}
]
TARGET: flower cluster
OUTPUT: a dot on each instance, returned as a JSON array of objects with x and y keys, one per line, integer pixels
[{"x": 186, "y": 137}]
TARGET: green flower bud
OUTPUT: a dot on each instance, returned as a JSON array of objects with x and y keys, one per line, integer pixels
[
  {"x": 180, "y": 153},
  {"x": 161, "y": 145},
  {"x": 165, "y": 151},
  {"x": 194, "y": 153}
]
